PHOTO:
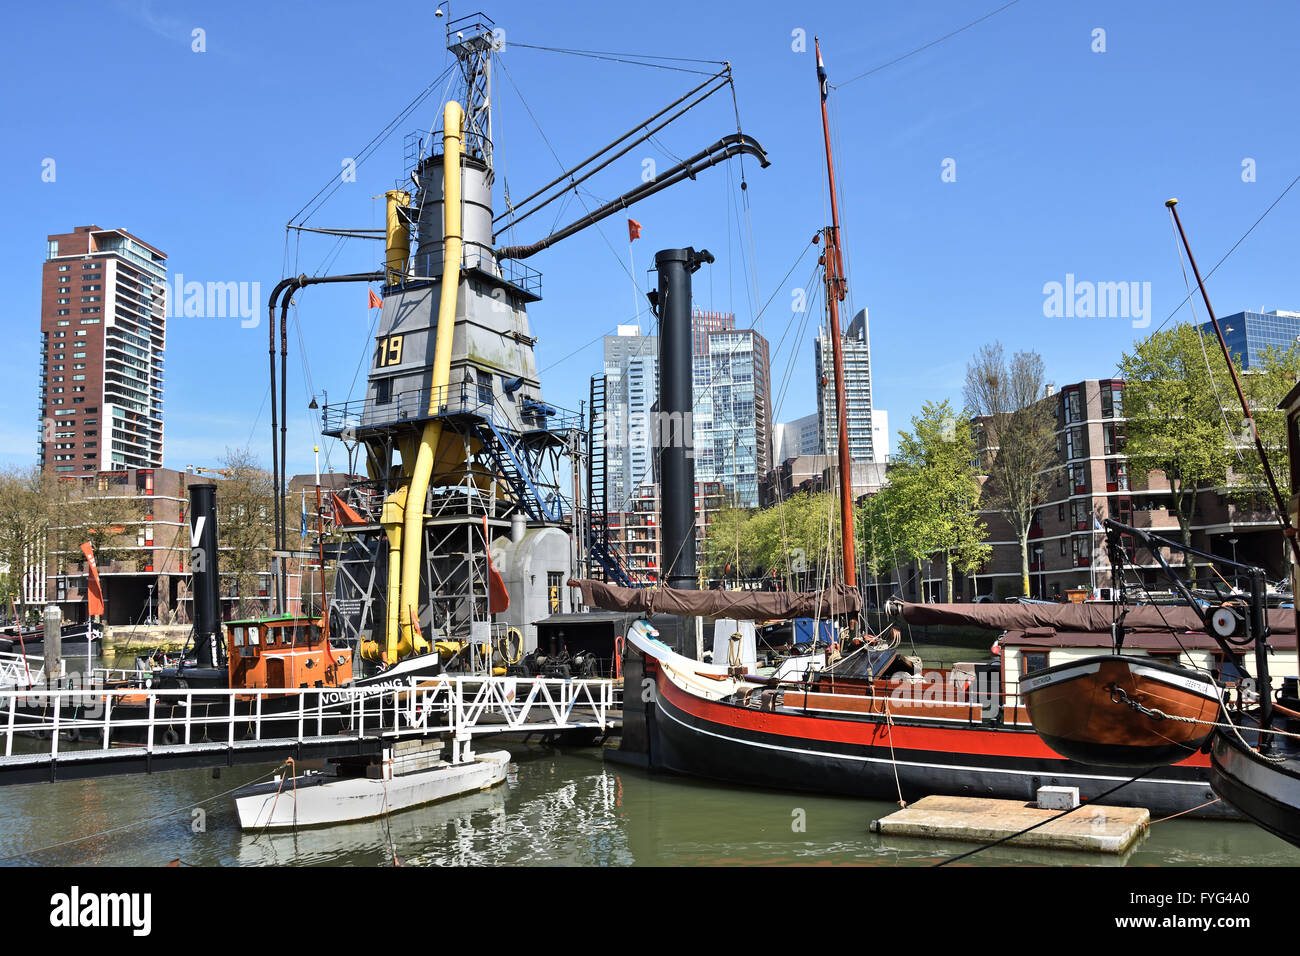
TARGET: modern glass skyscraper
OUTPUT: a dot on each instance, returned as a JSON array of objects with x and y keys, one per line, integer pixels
[
  {"x": 733, "y": 413},
  {"x": 1248, "y": 334},
  {"x": 632, "y": 374},
  {"x": 857, "y": 391},
  {"x": 731, "y": 419}
]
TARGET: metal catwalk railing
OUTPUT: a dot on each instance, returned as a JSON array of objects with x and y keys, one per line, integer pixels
[
  {"x": 171, "y": 720},
  {"x": 18, "y": 670}
]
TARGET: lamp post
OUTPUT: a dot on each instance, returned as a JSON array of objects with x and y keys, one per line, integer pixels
[
  {"x": 1038, "y": 560},
  {"x": 1236, "y": 584}
]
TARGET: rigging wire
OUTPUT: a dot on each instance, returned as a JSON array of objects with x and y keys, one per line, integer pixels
[
  {"x": 559, "y": 162},
  {"x": 379, "y": 138},
  {"x": 935, "y": 42},
  {"x": 632, "y": 59},
  {"x": 1224, "y": 259}
]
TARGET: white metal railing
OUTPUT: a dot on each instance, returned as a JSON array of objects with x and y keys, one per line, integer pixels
[
  {"x": 17, "y": 670},
  {"x": 157, "y": 720}
]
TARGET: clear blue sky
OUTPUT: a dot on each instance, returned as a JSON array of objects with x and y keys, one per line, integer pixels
[{"x": 1063, "y": 156}]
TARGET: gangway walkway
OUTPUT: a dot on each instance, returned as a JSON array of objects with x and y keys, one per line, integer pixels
[
  {"x": 74, "y": 734},
  {"x": 18, "y": 670}
]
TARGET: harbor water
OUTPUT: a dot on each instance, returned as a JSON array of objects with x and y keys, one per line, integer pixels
[{"x": 557, "y": 807}]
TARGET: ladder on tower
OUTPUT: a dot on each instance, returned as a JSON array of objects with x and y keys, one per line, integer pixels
[{"x": 599, "y": 541}]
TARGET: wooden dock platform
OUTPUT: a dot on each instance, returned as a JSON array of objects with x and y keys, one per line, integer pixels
[{"x": 1097, "y": 828}]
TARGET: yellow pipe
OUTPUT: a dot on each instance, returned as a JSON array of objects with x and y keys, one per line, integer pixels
[
  {"x": 398, "y": 235},
  {"x": 413, "y": 525}
]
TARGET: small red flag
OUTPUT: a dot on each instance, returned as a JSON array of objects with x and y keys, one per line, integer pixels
[
  {"x": 375, "y": 301},
  {"x": 94, "y": 596},
  {"x": 633, "y": 230}
]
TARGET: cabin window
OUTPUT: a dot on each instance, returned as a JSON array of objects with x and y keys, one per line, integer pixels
[
  {"x": 313, "y": 635},
  {"x": 1031, "y": 661},
  {"x": 253, "y": 638},
  {"x": 238, "y": 633}
]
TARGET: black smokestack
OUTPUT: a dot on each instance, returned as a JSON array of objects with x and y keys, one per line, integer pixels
[
  {"x": 206, "y": 574},
  {"x": 676, "y": 400}
]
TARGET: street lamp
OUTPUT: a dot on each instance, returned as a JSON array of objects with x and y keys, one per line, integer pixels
[{"x": 1038, "y": 559}]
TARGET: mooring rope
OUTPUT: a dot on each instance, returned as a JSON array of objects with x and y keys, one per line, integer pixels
[
  {"x": 1042, "y": 823},
  {"x": 136, "y": 823}
]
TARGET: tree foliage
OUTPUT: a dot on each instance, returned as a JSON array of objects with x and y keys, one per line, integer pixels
[
  {"x": 25, "y": 514},
  {"x": 932, "y": 492},
  {"x": 245, "y": 506},
  {"x": 1179, "y": 401},
  {"x": 1018, "y": 438}
]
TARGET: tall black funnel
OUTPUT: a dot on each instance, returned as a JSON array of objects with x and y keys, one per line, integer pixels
[
  {"x": 206, "y": 574},
  {"x": 673, "y": 431}
]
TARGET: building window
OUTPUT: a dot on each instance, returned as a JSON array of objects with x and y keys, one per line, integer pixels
[
  {"x": 1073, "y": 412},
  {"x": 1116, "y": 475},
  {"x": 51, "y": 248},
  {"x": 1114, "y": 438},
  {"x": 1112, "y": 399},
  {"x": 1075, "y": 445}
]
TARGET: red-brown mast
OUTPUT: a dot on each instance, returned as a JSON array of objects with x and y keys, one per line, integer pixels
[{"x": 835, "y": 290}]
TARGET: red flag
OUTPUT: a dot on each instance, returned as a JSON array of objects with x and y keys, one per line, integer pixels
[
  {"x": 633, "y": 230},
  {"x": 375, "y": 301},
  {"x": 498, "y": 596},
  {"x": 94, "y": 596}
]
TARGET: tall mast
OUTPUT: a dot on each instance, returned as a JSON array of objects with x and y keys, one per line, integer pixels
[{"x": 833, "y": 264}]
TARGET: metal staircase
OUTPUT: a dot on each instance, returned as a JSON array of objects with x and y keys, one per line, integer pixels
[
  {"x": 510, "y": 463},
  {"x": 600, "y": 544}
]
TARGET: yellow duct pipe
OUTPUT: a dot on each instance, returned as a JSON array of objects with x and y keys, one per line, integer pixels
[
  {"x": 413, "y": 525},
  {"x": 398, "y": 235}
]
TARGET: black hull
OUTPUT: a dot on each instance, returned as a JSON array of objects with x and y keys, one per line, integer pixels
[
  {"x": 693, "y": 746},
  {"x": 1267, "y": 792}
]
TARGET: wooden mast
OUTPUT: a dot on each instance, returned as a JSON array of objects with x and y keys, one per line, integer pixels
[{"x": 833, "y": 264}]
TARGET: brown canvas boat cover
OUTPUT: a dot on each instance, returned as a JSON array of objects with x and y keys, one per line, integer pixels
[
  {"x": 1090, "y": 616},
  {"x": 743, "y": 605}
]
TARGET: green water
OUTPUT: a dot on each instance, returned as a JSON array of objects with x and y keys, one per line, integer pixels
[{"x": 557, "y": 806}]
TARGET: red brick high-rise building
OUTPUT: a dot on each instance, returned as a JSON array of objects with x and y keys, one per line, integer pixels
[{"x": 103, "y": 330}]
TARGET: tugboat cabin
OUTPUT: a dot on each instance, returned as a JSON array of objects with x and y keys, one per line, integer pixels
[{"x": 286, "y": 652}]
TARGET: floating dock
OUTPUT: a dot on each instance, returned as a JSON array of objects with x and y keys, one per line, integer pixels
[{"x": 1097, "y": 828}]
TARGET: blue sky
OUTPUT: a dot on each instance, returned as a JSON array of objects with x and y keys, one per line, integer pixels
[{"x": 1063, "y": 158}]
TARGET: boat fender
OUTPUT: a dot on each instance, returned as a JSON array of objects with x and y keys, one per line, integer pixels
[{"x": 170, "y": 737}]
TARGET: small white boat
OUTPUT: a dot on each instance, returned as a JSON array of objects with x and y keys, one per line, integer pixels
[{"x": 316, "y": 799}]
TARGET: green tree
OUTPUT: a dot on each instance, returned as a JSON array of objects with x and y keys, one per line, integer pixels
[
  {"x": 1177, "y": 391},
  {"x": 932, "y": 491},
  {"x": 1266, "y": 384},
  {"x": 1017, "y": 438},
  {"x": 245, "y": 505},
  {"x": 26, "y": 509}
]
